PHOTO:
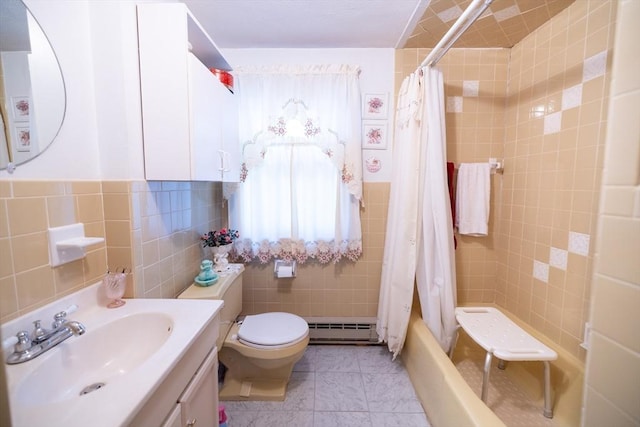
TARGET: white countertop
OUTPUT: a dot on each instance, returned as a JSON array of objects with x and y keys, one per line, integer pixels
[{"x": 124, "y": 394}]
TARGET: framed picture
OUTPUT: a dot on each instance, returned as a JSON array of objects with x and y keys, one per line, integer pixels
[
  {"x": 20, "y": 108},
  {"x": 374, "y": 134},
  {"x": 375, "y": 106},
  {"x": 23, "y": 137}
]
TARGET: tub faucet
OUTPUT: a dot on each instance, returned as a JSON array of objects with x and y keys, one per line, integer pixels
[{"x": 43, "y": 340}]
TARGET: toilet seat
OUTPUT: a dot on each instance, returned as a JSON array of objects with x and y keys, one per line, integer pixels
[{"x": 272, "y": 330}]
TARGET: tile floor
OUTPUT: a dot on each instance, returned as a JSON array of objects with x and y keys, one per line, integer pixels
[{"x": 339, "y": 385}]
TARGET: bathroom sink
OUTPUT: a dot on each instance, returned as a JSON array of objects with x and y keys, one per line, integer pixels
[
  {"x": 105, "y": 376},
  {"x": 94, "y": 360}
]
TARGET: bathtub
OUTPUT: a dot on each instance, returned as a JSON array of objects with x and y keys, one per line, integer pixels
[{"x": 449, "y": 401}]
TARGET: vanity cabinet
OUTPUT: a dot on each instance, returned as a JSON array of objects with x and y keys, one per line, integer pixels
[
  {"x": 188, "y": 395},
  {"x": 174, "y": 419},
  {"x": 189, "y": 118},
  {"x": 199, "y": 402}
]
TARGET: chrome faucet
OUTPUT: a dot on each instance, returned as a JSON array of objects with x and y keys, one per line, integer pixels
[{"x": 42, "y": 340}]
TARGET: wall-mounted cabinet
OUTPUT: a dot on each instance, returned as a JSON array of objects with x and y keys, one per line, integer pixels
[{"x": 189, "y": 118}]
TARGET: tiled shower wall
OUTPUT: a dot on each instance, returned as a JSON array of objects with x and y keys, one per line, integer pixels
[
  {"x": 555, "y": 127},
  {"x": 475, "y": 89},
  {"x": 542, "y": 107},
  {"x": 151, "y": 228}
]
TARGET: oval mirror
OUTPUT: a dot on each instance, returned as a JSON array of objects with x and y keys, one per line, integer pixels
[{"x": 32, "y": 92}]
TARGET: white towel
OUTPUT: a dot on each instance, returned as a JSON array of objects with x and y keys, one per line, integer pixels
[{"x": 472, "y": 198}]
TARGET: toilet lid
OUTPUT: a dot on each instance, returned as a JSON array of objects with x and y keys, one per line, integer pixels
[{"x": 273, "y": 329}]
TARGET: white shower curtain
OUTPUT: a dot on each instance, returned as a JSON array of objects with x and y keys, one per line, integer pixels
[{"x": 419, "y": 236}]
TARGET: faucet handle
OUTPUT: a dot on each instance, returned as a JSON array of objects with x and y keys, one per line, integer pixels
[
  {"x": 24, "y": 343},
  {"x": 58, "y": 319},
  {"x": 38, "y": 330}
]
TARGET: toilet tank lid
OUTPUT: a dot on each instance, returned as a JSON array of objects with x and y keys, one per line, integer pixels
[
  {"x": 215, "y": 291},
  {"x": 275, "y": 328}
]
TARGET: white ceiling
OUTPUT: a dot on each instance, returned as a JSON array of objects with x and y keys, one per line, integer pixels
[{"x": 308, "y": 23}]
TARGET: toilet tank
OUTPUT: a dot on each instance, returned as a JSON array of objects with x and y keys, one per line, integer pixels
[{"x": 229, "y": 289}]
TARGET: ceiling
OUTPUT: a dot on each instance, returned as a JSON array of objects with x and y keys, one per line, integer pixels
[{"x": 365, "y": 23}]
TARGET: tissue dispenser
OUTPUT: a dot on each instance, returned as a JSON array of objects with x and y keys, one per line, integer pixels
[{"x": 283, "y": 269}]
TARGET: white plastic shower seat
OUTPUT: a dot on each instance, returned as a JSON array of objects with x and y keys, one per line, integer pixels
[{"x": 500, "y": 336}]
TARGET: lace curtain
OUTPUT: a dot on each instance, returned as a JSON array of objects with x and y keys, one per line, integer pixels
[{"x": 301, "y": 179}]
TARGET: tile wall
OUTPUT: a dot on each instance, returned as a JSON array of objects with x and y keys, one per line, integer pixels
[
  {"x": 555, "y": 126},
  {"x": 27, "y": 210},
  {"x": 154, "y": 228},
  {"x": 611, "y": 395},
  {"x": 151, "y": 228},
  {"x": 541, "y": 106},
  {"x": 346, "y": 289},
  {"x": 475, "y": 89}
]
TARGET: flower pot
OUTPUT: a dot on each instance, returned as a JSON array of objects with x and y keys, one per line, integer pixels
[{"x": 220, "y": 254}]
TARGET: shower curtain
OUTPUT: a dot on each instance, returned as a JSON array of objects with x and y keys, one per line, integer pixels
[{"x": 419, "y": 236}]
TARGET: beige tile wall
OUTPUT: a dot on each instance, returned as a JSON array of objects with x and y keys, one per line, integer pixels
[
  {"x": 167, "y": 220},
  {"x": 151, "y": 228},
  {"x": 611, "y": 394},
  {"x": 27, "y": 210},
  {"x": 555, "y": 126},
  {"x": 346, "y": 289},
  {"x": 475, "y": 90},
  {"x": 542, "y": 107}
]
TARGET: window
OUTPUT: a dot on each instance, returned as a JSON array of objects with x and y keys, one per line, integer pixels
[{"x": 301, "y": 181}]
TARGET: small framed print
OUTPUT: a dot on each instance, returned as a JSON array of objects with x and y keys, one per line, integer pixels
[
  {"x": 20, "y": 108},
  {"x": 375, "y": 106},
  {"x": 23, "y": 138},
  {"x": 374, "y": 134}
]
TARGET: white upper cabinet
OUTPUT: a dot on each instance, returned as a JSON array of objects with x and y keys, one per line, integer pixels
[{"x": 189, "y": 118}]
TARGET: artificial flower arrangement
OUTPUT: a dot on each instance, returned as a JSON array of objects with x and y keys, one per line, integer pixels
[{"x": 222, "y": 237}]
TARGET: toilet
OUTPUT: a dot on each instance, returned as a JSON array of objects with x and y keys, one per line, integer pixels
[{"x": 258, "y": 350}]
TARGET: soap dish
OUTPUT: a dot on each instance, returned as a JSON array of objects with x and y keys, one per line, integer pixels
[{"x": 206, "y": 282}]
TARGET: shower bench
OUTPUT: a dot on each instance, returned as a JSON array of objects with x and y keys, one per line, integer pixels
[{"x": 505, "y": 340}]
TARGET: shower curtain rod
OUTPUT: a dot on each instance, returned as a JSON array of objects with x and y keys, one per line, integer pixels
[{"x": 468, "y": 17}]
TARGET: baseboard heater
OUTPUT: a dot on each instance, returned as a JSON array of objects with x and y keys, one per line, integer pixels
[{"x": 342, "y": 331}]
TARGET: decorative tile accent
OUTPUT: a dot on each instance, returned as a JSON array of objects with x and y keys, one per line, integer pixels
[
  {"x": 572, "y": 97},
  {"x": 454, "y": 104},
  {"x": 470, "y": 87},
  {"x": 450, "y": 14},
  {"x": 558, "y": 258},
  {"x": 541, "y": 271},
  {"x": 507, "y": 13},
  {"x": 553, "y": 123},
  {"x": 579, "y": 243},
  {"x": 594, "y": 66}
]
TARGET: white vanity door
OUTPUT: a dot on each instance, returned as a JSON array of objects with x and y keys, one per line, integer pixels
[
  {"x": 199, "y": 402},
  {"x": 174, "y": 419}
]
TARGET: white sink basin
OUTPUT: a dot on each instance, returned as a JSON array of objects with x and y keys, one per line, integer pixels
[
  {"x": 121, "y": 359},
  {"x": 95, "y": 358}
]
